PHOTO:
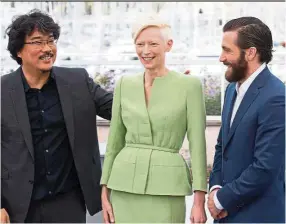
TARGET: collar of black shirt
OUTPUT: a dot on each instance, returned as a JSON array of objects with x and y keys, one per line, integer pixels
[{"x": 26, "y": 85}]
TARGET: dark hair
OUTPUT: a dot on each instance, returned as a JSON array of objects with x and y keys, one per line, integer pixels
[
  {"x": 252, "y": 32},
  {"x": 24, "y": 25}
]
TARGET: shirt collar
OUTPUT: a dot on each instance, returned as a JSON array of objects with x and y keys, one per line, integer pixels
[
  {"x": 241, "y": 90},
  {"x": 25, "y": 83}
]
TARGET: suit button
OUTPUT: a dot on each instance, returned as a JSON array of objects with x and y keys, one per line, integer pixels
[{"x": 31, "y": 181}]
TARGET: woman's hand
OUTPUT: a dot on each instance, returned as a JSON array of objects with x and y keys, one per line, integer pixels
[
  {"x": 198, "y": 213},
  {"x": 108, "y": 216}
]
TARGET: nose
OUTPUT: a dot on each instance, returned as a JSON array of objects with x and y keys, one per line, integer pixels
[
  {"x": 146, "y": 49},
  {"x": 222, "y": 58}
]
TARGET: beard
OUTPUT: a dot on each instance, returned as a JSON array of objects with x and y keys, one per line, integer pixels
[
  {"x": 44, "y": 71},
  {"x": 47, "y": 54},
  {"x": 238, "y": 69}
]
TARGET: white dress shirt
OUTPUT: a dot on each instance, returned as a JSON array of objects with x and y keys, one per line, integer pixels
[{"x": 241, "y": 91}]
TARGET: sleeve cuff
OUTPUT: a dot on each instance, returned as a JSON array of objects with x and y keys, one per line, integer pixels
[
  {"x": 215, "y": 187},
  {"x": 217, "y": 203}
]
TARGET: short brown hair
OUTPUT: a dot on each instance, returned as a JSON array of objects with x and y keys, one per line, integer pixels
[{"x": 252, "y": 32}]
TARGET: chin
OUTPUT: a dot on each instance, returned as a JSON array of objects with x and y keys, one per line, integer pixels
[
  {"x": 148, "y": 66},
  {"x": 45, "y": 69},
  {"x": 46, "y": 66},
  {"x": 228, "y": 77}
]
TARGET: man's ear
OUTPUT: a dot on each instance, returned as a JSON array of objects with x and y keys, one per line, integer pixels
[
  {"x": 19, "y": 54},
  {"x": 250, "y": 53}
]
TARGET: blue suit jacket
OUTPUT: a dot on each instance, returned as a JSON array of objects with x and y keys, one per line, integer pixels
[{"x": 249, "y": 161}]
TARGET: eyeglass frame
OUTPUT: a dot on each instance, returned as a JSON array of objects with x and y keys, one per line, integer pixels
[{"x": 42, "y": 43}]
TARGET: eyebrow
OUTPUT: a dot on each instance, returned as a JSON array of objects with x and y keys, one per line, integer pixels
[
  {"x": 151, "y": 41},
  {"x": 40, "y": 37},
  {"x": 225, "y": 48}
]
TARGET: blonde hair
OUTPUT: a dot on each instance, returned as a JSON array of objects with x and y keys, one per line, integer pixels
[{"x": 151, "y": 21}]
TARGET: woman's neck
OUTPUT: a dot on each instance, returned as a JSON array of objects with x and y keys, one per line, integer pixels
[{"x": 151, "y": 74}]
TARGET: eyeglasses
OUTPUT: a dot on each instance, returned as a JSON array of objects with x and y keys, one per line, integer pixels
[{"x": 39, "y": 44}]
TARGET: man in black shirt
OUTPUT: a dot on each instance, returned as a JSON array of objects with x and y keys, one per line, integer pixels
[{"x": 49, "y": 149}]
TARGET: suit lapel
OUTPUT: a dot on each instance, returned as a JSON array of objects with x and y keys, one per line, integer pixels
[
  {"x": 65, "y": 92},
  {"x": 248, "y": 99},
  {"x": 232, "y": 98},
  {"x": 20, "y": 106},
  {"x": 227, "y": 110}
]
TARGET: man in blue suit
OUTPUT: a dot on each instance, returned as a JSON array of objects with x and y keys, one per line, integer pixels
[{"x": 247, "y": 180}]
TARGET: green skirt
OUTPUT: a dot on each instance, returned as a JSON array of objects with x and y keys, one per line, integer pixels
[{"x": 138, "y": 208}]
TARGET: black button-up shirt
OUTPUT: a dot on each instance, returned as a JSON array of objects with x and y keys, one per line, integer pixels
[{"x": 54, "y": 165}]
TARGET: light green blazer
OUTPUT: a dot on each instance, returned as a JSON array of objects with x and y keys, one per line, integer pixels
[{"x": 142, "y": 154}]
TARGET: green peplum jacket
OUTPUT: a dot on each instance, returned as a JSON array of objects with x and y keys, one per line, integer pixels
[{"x": 142, "y": 155}]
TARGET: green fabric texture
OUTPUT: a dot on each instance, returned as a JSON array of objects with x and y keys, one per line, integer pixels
[
  {"x": 142, "y": 154},
  {"x": 136, "y": 208}
]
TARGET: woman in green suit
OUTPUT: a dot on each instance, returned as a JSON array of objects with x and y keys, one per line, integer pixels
[{"x": 152, "y": 113}]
